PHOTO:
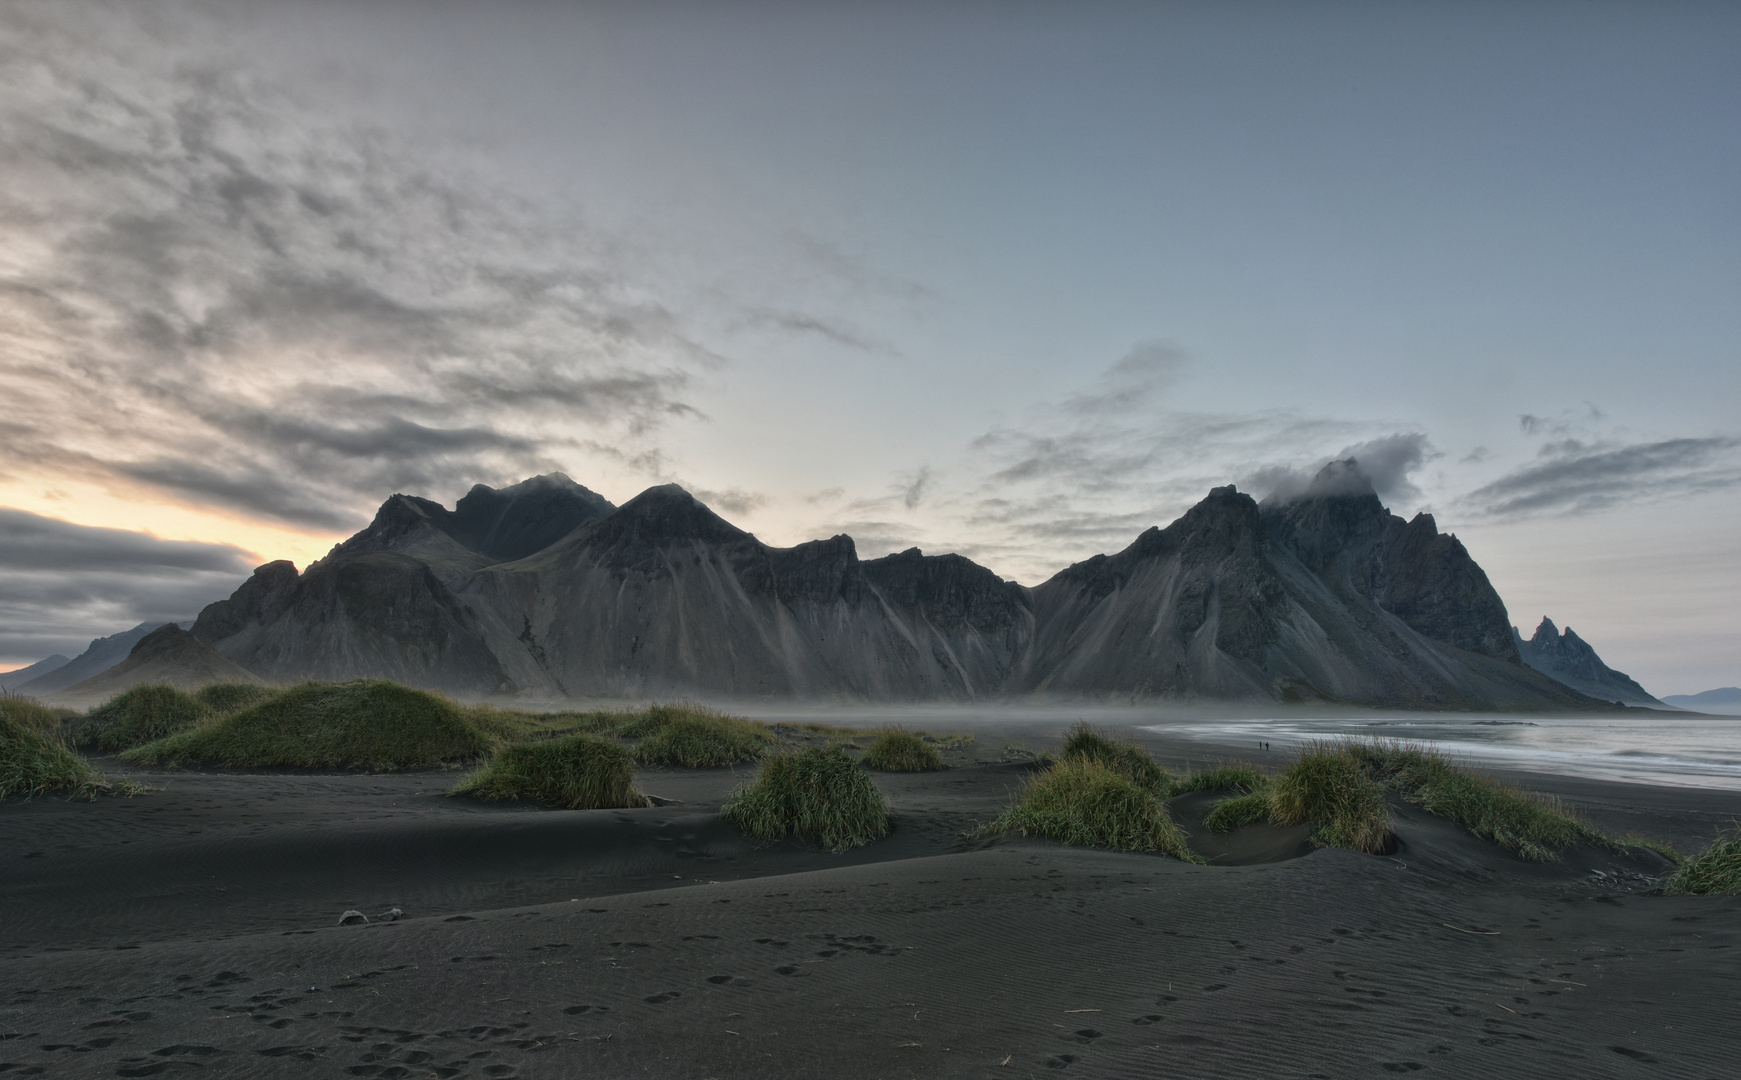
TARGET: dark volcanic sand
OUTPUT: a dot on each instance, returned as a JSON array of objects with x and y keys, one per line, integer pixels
[{"x": 191, "y": 932}]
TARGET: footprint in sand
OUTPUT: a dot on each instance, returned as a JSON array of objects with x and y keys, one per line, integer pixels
[
  {"x": 720, "y": 980},
  {"x": 577, "y": 1010},
  {"x": 660, "y": 999}
]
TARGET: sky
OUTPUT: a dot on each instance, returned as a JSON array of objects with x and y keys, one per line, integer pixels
[{"x": 1014, "y": 280}]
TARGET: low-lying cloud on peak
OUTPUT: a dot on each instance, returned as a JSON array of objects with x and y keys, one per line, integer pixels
[{"x": 1384, "y": 465}]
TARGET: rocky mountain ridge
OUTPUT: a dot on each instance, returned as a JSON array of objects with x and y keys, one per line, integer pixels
[
  {"x": 1568, "y": 658},
  {"x": 1324, "y": 597}
]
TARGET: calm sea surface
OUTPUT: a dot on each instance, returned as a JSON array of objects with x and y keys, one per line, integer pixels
[
  {"x": 1656, "y": 749},
  {"x": 1640, "y": 748}
]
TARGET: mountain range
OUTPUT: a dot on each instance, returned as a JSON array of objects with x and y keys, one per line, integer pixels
[
  {"x": 547, "y": 589},
  {"x": 101, "y": 655}
]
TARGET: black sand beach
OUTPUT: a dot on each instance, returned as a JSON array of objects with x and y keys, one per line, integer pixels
[{"x": 192, "y": 931}]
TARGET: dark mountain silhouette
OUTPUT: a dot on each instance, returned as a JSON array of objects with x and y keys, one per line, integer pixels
[
  {"x": 1323, "y": 597},
  {"x": 168, "y": 654},
  {"x": 20, "y": 676},
  {"x": 1569, "y": 659},
  {"x": 102, "y": 654},
  {"x": 381, "y": 603}
]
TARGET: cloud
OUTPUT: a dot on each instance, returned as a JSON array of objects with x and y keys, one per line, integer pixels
[
  {"x": 1385, "y": 464},
  {"x": 1571, "y": 476},
  {"x": 214, "y": 292},
  {"x": 1135, "y": 381},
  {"x": 63, "y": 584},
  {"x": 835, "y": 330},
  {"x": 913, "y": 488},
  {"x": 731, "y": 500}
]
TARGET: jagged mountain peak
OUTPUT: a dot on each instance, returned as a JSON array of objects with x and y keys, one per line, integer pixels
[
  {"x": 1569, "y": 659},
  {"x": 662, "y": 513}
]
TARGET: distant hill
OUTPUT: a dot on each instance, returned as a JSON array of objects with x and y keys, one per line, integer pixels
[
  {"x": 102, "y": 654},
  {"x": 1570, "y": 659},
  {"x": 546, "y": 588},
  {"x": 168, "y": 654},
  {"x": 13, "y": 679},
  {"x": 1725, "y": 701}
]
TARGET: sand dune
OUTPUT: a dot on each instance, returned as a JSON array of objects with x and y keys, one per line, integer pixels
[{"x": 193, "y": 930}]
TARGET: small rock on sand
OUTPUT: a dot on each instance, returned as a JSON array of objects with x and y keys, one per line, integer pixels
[
  {"x": 353, "y": 917},
  {"x": 390, "y": 915}
]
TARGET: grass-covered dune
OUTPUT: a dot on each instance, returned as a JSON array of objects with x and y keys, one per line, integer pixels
[
  {"x": 364, "y": 724},
  {"x": 1340, "y": 789},
  {"x": 577, "y": 772},
  {"x": 140, "y": 715},
  {"x": 692, "y": 737},
  {"x": 34, "y": 760},
  {"x": 817, "y": 793},
  {"x": 894, "y": 750},
  {"x": 1084, "y": 743},
  {"x": 1087, "y": 802}
]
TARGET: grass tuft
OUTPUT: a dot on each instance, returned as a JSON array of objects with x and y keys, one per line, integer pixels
[
  {"x": 702, "y": 741},
  {"x": 28, "y": 713},
  {"x": 1089, "y": 803},
  {"x": 1229, "y": 776},
  {"x": 579, "y": 772},
  {"x": 1716, "y": 871},
  {"x": 902, "y": 751},
  {"x": 37, "y": 762},
  {"x": 816, "y": 792},
  {"x": 1530, "y": 825},
  {"x": 1327, "y": 788},
  {"x": 1085, "y": 743},
  {"x": 232, "y": 697},
  {"x": 1238, "y": 812},
  {"x": 363, "y": 724},
  {"x": 140, "y": 715}
]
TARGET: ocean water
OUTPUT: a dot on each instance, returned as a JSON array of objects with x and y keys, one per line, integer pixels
[{"x": 1685, "y": 751}]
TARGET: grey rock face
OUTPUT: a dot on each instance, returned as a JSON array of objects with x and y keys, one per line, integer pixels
[
  {"x": 665, "y": 597},
  {"x": 1341, "y": 532},
  {"x": 1568, "y": 658},
  {"x": 1285, "y": 601}
]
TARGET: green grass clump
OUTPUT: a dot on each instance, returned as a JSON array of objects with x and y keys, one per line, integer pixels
[
  {"x": 363, "y": 724},
  {"x": 1530, "y": 825},
  {"x": 1084, "y": 743},
  {"x": 1230, "y": 776},
  {"x": 902, "y": 751},
  {"x": 579, "y": 772},
  {"x": 140, "y": 715},
  {"x": 694, "y": 738},
  {"x": 1327, "y": 787},
  {"x": 230, "y": 697},
  {"x": 28, "y": 713},
  {"x": 1716, "y": 871},
  {"x": 37, "y": 762},
  {"x": 1238, "y": 812},
  {"x": 816, "y": 792},
  {"x": 1089, "y": 803}
]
